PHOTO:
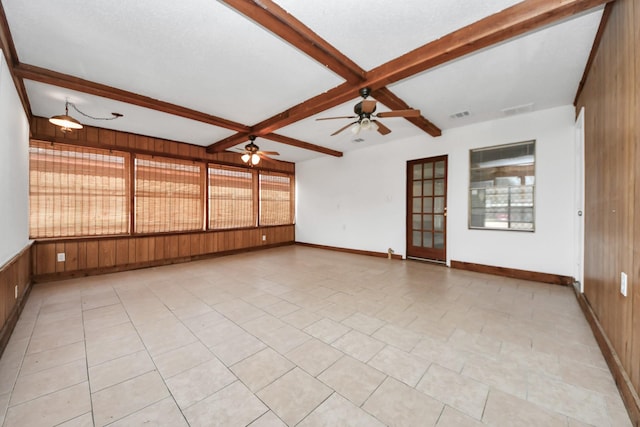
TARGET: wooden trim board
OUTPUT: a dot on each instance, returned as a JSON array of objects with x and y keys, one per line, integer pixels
[
  {"x": 554, "y": 279},
  {"x": 351, "y": 251},
  {"x": 623, "y": 382}
]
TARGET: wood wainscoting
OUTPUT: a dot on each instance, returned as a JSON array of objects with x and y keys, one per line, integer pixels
[
  {"x": 15, "y": 284},
  {"x": 89, "y": 256},
  {"x": 554, "y": 279}
]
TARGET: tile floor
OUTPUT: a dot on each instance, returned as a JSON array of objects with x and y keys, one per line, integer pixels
[{"x": 302, "y": 336}]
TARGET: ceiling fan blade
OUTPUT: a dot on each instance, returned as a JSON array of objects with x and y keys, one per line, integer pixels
[
  {"x": 382, "y": 129},
  {"x": 368, "y": 106},
  {"x": 269, "y": 153},
  {"x": 343, "y": 128},
  {"x": 339, "y": 117},
  {"x": 399, "y": 113}
]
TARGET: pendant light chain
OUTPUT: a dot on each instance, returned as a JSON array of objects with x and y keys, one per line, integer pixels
[{"x": 115, "y": 115}]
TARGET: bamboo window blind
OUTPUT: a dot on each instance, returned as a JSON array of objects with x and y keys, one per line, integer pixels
[
  {"x": 169, "y": 195},
  {"x": 276, "y": 199},
  {"x": 77, "y": 191},
  {"x": 231, "y": 201}
]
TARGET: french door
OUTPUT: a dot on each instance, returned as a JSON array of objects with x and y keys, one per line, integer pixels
[{"x": 427, "y": 208}]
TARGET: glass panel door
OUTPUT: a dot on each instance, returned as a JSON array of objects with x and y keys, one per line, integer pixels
[{"x": 427, "y": 208}]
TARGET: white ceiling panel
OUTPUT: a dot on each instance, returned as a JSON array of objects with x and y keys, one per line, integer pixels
[
  {"x": 377, "y": 31},
  {"x": 536, "y": 71},
  {"x": 47, "y": 101},
  {"x": 199, "y": 53}
]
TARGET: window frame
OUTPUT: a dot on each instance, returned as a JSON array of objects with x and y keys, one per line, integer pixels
[{"x": 525, "y": 195}]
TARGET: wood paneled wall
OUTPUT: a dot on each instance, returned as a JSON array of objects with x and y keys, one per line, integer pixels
[
  {"x": 109, "y": 254},
  {"x": 15, "y": 273},
  {"x": 611, "y": 98}
]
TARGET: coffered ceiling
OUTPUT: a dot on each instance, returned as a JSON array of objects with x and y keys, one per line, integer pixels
[{"x": 212, "y": 72}]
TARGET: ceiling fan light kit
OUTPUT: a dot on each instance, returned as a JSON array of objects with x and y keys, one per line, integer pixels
[
  {"x": 252, "y": 153},
  {"x": 365, "y": 116}
]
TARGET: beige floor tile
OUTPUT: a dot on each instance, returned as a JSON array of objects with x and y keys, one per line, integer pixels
[
  {"x": 103, "y": 317},
  {"x": 576, "y": 402},
  {"x": 456, "y": 390},
  {"x": 85, "y": 420},
  {"x": 118, "y": 370},
  {"x": 352, "y": 379},
  {"x": 397, "y": 404},
  {"x": 326, "y": 330},
  {"x": 199, "y": 382},
  {"x": 440, "y": 352},
  {"x": 293, "y": 396},
  {"x": 36, "y": 362},
  {"x": 401, "y": 338},
  {"x": 301, "y": 318},
  {"x": 502, "y": 374},
  {"x": 163, "y": 413},
  {"x": 402, "y": 366},
  {"x": 284, "y": 339},
  {"x": 233, "y": 405},
  {"x": 453, "y": 418},
  {"x": 314, "y": 356},
  {"x": 504, "y": 409},
  {"x": 263, "y": 324},
  {"x": 363, "y": 323},
  {"x": 261, "y": 369},
  {"x": 100, "y": 351},
  {"x": 165, "y": 335},
  {"x": 338, "y": 411},
  {"x": 51, "y": 409},
  {"x": 269, "y": 419},
  {"x": 123, "y": 399},
  {"x": 523, "y": 340},
  {"x": 358, "y": 345},
  {"x": 179, "y": 360},
  {"x": 38, "y": 384},
  {"x": 241, "y": 347},
  {"x": 281, "y": 309}
]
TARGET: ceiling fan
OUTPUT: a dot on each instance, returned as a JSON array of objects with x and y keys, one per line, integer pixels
[
  {"x": 252, "y": 153},
  {"x": 365, "y": 116}
]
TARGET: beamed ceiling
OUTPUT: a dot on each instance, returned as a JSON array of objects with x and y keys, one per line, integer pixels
[{"x": 211, "y": 73}]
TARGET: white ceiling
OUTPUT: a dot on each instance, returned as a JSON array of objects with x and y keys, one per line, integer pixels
[{"x": 203, "y": 55}]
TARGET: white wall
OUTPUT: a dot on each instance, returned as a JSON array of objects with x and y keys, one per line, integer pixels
[
  {"x": 14, "y": 169},
  {"x": 359, "y": 201}
]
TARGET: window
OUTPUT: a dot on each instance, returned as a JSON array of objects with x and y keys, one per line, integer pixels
[
  {"x": 502, "y": 181},
  {"x": 231, "y": 202},
  {"x": 77, "y": 191},
  {"x": 276, "y": 196},
  {"x": 169, "y": 195}
]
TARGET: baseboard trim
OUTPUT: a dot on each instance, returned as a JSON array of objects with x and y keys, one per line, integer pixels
[
  {"x": 41, "y": 278},
  {"x": 514, "y": 273},
  {"x": 625, "y": 387},
  {"x": 351, "y": 251}
]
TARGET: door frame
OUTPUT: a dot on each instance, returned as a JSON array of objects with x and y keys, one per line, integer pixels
[
  {"x": 409, "y": 207},
  {"x": 579, "y": 201}
]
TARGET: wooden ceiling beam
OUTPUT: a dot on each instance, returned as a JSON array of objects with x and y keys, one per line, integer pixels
[
  {"x": 43, "y": 75},
  {"x": 511, "y": 22},
  {"x": 11, "y": 55},
  {"x": 278, "y": 21},
  {"x": 302, "y": 144},
  {"x": 388, "y": 98},
  {"x": 229, "y": 142}
]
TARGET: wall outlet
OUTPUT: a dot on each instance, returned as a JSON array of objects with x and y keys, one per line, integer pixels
[
  {"x": 16, "y": 292},
  {"x": 264, "y": 237},
  {"x": 623, "y": 283},
  {"x": 61, "y": 257}
]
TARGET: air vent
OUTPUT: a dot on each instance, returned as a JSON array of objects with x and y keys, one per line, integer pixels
[
  {"x": 460, "y": 115},
  {"x": 519, "y": 109},
  {"x": 357, "y": 140}
]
